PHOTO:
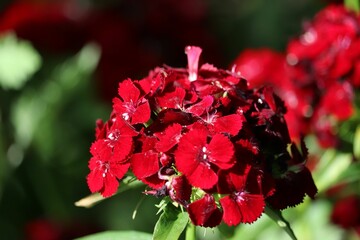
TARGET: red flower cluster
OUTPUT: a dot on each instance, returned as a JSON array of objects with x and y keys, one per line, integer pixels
[
  {"x": 202, "y": 137},
  {"x": 317, "y": 75}
]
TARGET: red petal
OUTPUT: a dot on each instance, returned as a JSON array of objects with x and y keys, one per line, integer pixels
[
  {"x": 202, "y": 176},
  {"x": 242, "y": 208},
  {"x": 204, "y": 212},
  {"x": 122, "y": 128},
  {"x": 172, "y": 99},
  {"x": 291, "y": 190},
  {"x": 111, "y": 185},
  {"x": 234, "y": 179},
  {"x": 199, "y": 108},
  {"x": 147, "y": 143},
  {"x": 100, "y": 130},
  {"x": 119, "y": 106},
  {"x": 228, "y": 124},
  {"x": 128, "y": 91},
  {"x": 141, "y": 114},
  {"x": 232, "y": 214},
  {"x": 101, "y": 150},
  {"x": 95, "y": 180},
  {"x": 154, "y": 181},
  {"x": 151, "y": 83},
  {"x": 169, "y": 138},
  {"x": 122, "y": 148},
  {"x": 119, "y": 169},
  {"x": 180, "y": 189},
  {"x": 144, "y": 164},
  {"x": 221, "y": 151}
]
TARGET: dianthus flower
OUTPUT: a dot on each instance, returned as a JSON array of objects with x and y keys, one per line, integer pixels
[
  {"x": 201, "y": 137},
  {"x": 317, "y": 76}
]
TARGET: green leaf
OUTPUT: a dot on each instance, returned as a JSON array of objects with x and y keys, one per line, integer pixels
[
  {"x": 18, "y": 62},
  {"x": 357, "y": 143},
  {"x": 352, "y": 5},
  {"x": 277, "y": 217},
  {"x": 118, "y": 235},
  {"x": 171, "y": 223}
]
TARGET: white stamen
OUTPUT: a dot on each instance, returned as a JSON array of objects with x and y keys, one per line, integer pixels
[
  {"x": 204, "y": 149},
  {"x": 111, "y": 136},
  {"x": 125, "y": 116}
]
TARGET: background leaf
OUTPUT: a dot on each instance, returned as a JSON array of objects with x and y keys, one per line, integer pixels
[
  {"x": 18, "y": 62},
  {"x": 118, "y": 235}
]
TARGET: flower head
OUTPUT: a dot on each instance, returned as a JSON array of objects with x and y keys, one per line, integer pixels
[{"x": 203, "y": 138}]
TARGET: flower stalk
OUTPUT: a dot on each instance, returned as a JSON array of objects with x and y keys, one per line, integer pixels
[{"x": 190, "y": 232}]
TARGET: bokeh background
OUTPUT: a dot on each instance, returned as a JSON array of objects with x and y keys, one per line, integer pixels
[{"x": 60, "y": 64}]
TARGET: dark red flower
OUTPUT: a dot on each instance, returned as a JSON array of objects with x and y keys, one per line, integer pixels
[
  {"x": 204, "y": 212},
  {"x": 180, "y": 190},
  {"x": 291, "y": 189}
]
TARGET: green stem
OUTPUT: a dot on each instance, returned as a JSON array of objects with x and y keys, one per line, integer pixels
[
  {"x": 352, "y": 5},
  {"x": 190, "y": 232}
]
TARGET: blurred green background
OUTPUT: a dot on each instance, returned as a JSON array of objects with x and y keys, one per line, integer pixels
[{"x": 60, "y": 63}]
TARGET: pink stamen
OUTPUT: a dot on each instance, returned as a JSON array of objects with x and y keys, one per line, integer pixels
[{"x": 193, "y": 55}]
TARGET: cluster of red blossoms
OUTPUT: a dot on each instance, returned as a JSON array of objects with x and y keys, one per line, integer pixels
[
  {"x": 206, "y": 140},
  {"x": 317, "y": 75}
]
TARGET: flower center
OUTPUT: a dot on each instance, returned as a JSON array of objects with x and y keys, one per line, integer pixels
[
  {"x": 114, "y": 135},
  {"x": 104, "y": 166},
  {"x": 203, "y": 155},
  {"x": 130, "y": 110}
]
